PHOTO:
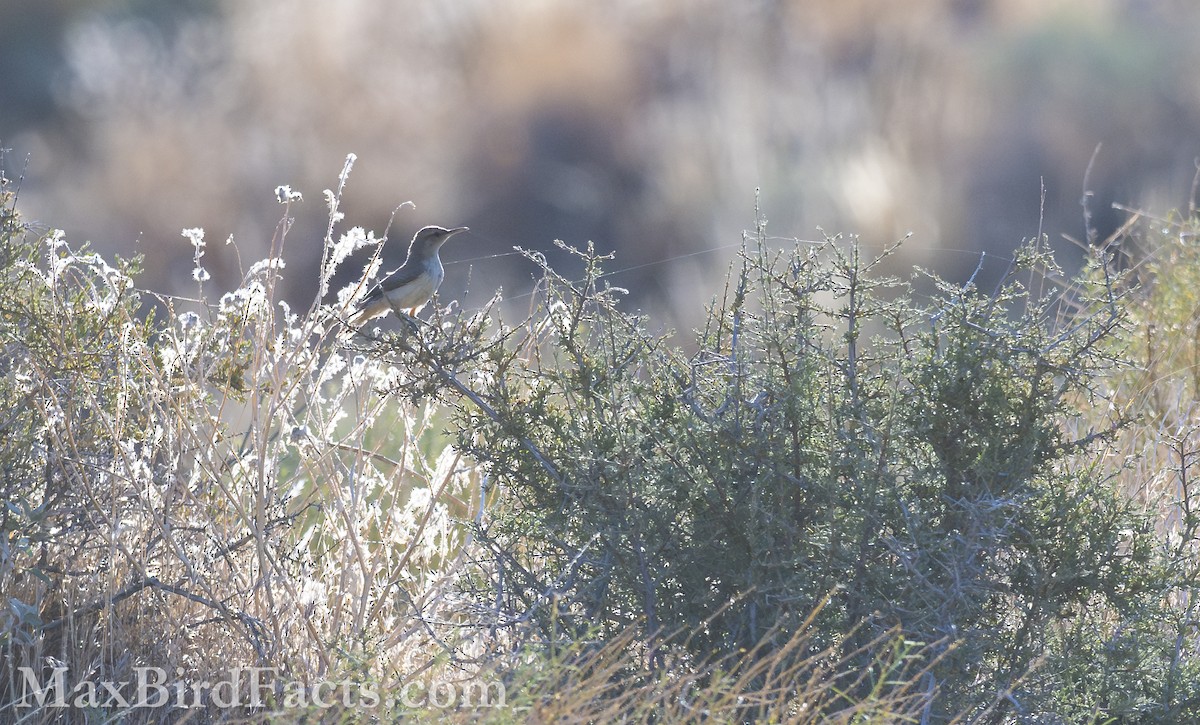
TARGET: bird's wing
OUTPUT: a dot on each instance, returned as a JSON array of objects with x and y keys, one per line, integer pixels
[{"x": 395, "y": 279}]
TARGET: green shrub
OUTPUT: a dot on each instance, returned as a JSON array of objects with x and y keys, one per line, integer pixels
[
  {"x": 826, "y": 437},
  {"x": 1138, "y": 663}
]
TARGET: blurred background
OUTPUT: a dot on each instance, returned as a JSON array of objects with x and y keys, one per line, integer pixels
[{"x": 644, "y": 126}]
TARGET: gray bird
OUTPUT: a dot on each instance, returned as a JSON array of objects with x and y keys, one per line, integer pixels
[{"x": 413, "y": 283}]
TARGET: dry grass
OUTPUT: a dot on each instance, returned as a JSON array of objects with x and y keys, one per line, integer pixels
[{"x": 225, "y": 490}]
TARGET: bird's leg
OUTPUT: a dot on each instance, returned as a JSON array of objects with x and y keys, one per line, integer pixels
[
  {"x": 405, "y": 314},
  {"x": 412, "y": 320}
]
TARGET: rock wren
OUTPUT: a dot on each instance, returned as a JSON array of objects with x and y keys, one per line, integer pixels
[{"x": 413, "y": 284}]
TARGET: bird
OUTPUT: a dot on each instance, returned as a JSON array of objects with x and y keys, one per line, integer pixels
[{"x": 413, "y": 283}]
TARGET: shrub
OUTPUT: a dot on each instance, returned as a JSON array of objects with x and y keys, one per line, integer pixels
[
  {"x": 213, "y": 487},
  {"x": 1138, "y": 662},
  {"x": 826, "y": 437}
]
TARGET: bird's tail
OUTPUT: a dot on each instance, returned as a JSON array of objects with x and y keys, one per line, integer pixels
[
  {"x": 366, "y": 309},
  {"x": 357, "y": 317}
]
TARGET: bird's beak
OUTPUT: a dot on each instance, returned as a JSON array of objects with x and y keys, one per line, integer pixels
[{"x": 456, "y": 230}]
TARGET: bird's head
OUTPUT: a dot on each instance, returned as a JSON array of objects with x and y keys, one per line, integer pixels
[{"x": 429, "y": 239}]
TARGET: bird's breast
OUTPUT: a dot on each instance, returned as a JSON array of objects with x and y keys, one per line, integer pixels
[{"x": 418, "y": 291}]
